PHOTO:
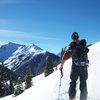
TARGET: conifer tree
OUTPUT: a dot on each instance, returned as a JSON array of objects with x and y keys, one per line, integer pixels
[
  {"x": 18, "y": 89},
  {"x": 3, "y": 80},
  {"x": 48, "y": 66},
  {"x": 5, "y": 84},
  {"x": 28, "y": 78},
  {"x": 11, "y": 86}
]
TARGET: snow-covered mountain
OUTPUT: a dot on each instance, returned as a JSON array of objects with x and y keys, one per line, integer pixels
[
  {"x": 19, "y": 57},
  {"x": 48, "y": 88},
  {"x": 7, "y": 50}
]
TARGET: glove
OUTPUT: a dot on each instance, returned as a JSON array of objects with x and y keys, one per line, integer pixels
[{"x": 61, "y": 70}]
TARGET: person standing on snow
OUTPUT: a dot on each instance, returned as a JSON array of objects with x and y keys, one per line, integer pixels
[{"x": 78, "y": 51}]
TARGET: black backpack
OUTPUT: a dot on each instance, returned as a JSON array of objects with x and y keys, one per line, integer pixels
[{"x": 79, "y": 52}]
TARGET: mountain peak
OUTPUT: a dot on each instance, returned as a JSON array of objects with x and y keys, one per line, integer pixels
[
  {"x": 11, "y": 43},
  {"x": 15, "y": 44},
  {"x": 6, "y": 50},
  {"x": 33, "y": 47}
]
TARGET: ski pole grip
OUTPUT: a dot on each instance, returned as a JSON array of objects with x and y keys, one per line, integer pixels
[{"x": 61, "y": 72}]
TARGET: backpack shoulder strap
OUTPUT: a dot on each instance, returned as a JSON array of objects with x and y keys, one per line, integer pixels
[{"x": 72, "y": 47}]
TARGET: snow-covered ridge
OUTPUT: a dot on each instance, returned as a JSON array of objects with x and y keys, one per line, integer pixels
[
  {"x": 22, "y": 53},
  {"x": 7, "y": 50},
  {"x": 95, "y": 47}
]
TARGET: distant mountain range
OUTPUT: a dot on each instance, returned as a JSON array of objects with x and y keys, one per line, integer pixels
[{"x": 17, "y": 57}]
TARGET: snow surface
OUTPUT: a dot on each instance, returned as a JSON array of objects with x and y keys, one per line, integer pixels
[{"x": 48, "y": 88}]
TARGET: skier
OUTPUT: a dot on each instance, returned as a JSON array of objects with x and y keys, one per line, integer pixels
[{"x": 78, "y": 51}]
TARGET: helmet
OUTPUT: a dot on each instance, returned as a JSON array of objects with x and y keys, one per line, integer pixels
[{"x": 75, "y": 35}]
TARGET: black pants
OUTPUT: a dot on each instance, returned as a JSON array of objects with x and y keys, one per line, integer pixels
[{"x": 81, "y": 73}]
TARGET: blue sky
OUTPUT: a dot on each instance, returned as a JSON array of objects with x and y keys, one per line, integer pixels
[{"x": 49, "y": 23}]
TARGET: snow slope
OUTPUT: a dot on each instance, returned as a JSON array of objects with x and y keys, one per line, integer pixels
[{"x": 48, "y": 88}]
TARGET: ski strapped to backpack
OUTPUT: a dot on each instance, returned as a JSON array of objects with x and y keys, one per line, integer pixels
[{"x": 79, "y": 52}]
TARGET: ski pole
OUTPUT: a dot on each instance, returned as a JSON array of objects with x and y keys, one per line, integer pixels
[{"x": 60, "y": 84}]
